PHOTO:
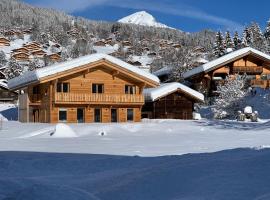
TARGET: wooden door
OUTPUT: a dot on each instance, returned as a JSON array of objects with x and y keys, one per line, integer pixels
[
  {"x": 114, "y": 115},
  {"x": 36, "y": 115}
]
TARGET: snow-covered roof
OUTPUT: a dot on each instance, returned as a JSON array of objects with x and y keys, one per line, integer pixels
[
  {"x": 163, "y": 71},
  {"x": 35, "y": 76},
  {"x": 152, "y": 94},
  {"x": 224, "y": 60}
]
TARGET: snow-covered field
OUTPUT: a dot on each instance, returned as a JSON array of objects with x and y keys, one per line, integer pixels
[
  {"x": 149, "y": 138},
  {"x": 134, "y": 161}
]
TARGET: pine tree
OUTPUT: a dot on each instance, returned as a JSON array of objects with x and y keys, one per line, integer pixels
[
  {"x": 35, "y": 64},
  {"x": 258, "y": 38},
  {"x": 247, "y": 39},
  {"x": 230, "y": 97},
  {"x": 267, "y": 30},
  {"x": 228, "y": 40},
  {"x": 236, "y": 41},
  {"x": 3, "y": 59},
  {"x": 267, "y": 36},
  {"x": 13, "y": 69},
  {"x": 219, "y": 48}
]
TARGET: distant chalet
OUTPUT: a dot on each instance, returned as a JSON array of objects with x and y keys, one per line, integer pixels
[{"x": 255, "y": 64}]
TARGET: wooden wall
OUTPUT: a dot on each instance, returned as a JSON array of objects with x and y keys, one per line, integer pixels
[{"x": 174, "y": 106}]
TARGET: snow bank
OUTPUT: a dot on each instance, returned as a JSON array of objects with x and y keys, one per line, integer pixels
[{"x": 63, "y": 131}]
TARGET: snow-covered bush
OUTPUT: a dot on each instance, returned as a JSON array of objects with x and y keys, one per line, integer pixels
[
  {"x": 231, "y": 97},
  {"x": 13, "y": 69}
]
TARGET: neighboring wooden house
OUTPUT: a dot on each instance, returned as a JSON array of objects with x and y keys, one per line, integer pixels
[
  {"x": 93, "y": 88},
  {"x": 54, "y": 57},
  {"x": 20, "y": 56},
  {"x": 135, "y": 63},
  {"x": 176, "y": 46},
  {"x": 20, "y": 50},
  {"x": 164, "y": 74},
  {"x": 126, "y": 43},
  {"x": 170, "y": 101},
  {"x": 6, "y": 95},
  {"x": 100, "y": 43},
  {"x": 38, "y": 53},
  {"x": 33, "y": 46},
  {"x": 4, "y": 41},
  {"x": 253, "y": 63}
]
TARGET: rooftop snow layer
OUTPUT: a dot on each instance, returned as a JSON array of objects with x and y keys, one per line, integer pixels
[
  {"x": 34, "y": 76},
  {"x": 224, "y": 60},
  {"x": 163, "y": 71},
  {"x": 152, "y": 94}
]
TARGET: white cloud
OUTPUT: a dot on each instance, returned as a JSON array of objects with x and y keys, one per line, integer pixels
[{"x": 70, "y": 5}]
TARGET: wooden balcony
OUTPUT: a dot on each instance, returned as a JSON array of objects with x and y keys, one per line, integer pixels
[
  {"x": 260, "y": 83},
  {"x": 79, "y": 98},
  {"x": 247, "y": 70}
]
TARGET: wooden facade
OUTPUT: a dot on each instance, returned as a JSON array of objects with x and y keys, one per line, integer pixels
[
  {"x": 256, "y": 68},
  {"x": 20, "y": 56},
  {"x": 97, "y": 92},
  {"x": 4, "y": 41},
  {"x": 175, "y": 105}
]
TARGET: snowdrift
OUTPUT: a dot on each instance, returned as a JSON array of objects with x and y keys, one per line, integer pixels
[{"x": 63, "y": 131}]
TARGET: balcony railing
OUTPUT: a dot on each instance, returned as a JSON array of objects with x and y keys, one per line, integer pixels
[
  {"x": 248, "y": 70},
  {"x": 98, "y": 98},
  {"x": 260, "y": 83}
]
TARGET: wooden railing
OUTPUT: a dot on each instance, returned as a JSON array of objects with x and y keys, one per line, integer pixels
[
  {"x": 248, "y": 70},
  {"x": 97, "y": 98},
  {"x": 260, "y": 83}
]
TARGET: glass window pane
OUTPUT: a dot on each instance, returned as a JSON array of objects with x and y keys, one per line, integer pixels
[
  {"x": 63, "y": 115},
  {"x": 97, "y": 115},
  {"x": 126, "y": 89},
  {"x": 130, "y": 115},
  {"x": 94, "y": 88},
  {"x": 65, "y": 87},
  {"x": 100, "y": 88},
  {"x": 59, "y": 87}
]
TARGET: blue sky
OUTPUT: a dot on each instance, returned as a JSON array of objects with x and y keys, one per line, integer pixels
[{"x": 187, "y": 15}]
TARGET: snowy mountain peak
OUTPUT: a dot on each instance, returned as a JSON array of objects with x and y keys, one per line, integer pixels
[{"x": 142, "y": 18}]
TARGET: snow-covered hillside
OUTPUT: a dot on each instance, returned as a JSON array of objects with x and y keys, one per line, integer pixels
[{"x": 142, "y": 18}]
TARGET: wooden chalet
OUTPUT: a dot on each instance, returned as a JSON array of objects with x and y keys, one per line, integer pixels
[
  {"x": 249, "y": 61},
  {"x": 100, "y": 43},
  {"x": 20, "y": 50},
  {"x": 6, "y": 95},
  {"x": 93, "y": 88},
  {"x": 4, "y": 41},
  {"x": 20, "y": 56},
  {"x": 170, "y": 101},
  {"x": 38, "y": 53},
  {"x": 54, "y": 57},
  {"x": 126, "y": 43},
  {"x": 33, "y": 46}
]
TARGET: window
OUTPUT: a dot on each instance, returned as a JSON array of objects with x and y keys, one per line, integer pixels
[
  {"x": 36, "y": 90},
  {"x": 130, "y": 89},
  {"x": 130, "y": 115},
  {"x": 97, "y": 115},
  {"x": 63, "y": 87},
  {"x": 97, "y": 88},
  {"x": 62, "y": 115}
]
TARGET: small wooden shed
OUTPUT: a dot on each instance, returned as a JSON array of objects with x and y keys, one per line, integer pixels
[{"x": 170, "y": 101}]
